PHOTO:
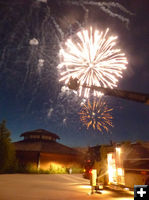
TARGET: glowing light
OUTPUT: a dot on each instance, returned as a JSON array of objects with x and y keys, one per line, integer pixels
[
  {"x": 120, "y": 172},
  {"x": 85, "y": 186},
  {"x": 96, "y": 115},
  {"x": 130, "y": 198},
  {"x": 111, "y": 168},
  {"x": 105, "y": 192},
  {"x": 118, "y": 150},
  {"x": 92, "y": 57},
  {"x": 53, "y": 167}
]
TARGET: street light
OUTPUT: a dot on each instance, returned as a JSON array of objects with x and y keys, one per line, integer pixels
[{"x": 133, "y": 96}]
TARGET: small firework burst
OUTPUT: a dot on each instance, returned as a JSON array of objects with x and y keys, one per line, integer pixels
[{"x": 97, "y": 115}]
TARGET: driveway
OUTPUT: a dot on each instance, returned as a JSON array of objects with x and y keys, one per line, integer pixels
[{"x": 52, "y": 187}]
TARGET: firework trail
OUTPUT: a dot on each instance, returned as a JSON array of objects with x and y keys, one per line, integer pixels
[
  {"x": 28, "y": 54},
  {"x": 93, "y": 58},
  {"x": 106, "y": 7},
  {"x": 97, "y": 115},
  {"x": 59, "y": 30},
  {"x": 64, "y": 110}
]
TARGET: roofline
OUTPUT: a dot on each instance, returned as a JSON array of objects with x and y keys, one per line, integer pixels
[{"x": 36, "y": 132}]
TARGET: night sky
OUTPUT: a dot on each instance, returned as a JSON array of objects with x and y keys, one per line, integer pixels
[{"x": 31, "y": 95}]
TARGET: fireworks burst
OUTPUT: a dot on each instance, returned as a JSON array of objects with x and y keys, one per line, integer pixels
[
  {"x": 31, "y": 40},
  {"x": 96, "y": 115},
  {"x": 92, "y": 57}
]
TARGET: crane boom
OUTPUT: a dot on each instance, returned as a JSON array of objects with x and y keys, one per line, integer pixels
[{"x": 133, "y": 96}]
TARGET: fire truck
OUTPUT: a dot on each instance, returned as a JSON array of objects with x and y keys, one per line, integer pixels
[{"x": 128, "y": 165}]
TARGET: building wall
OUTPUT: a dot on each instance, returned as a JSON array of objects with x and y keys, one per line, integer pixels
[
  {"x": 63, "y": 160},
  {"x": 46, "y": 160},
  {"x": 26, "y": 157}
]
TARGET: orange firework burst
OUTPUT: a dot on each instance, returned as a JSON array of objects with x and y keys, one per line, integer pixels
[{"x": 97, "y": 115}]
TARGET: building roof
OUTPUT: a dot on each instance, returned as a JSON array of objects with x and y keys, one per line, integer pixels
[
  {"x": 44, "y": 147},
  {"x": 40, "y": 132}
]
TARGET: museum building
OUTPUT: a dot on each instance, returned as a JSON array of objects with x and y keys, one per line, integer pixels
[{"x": 41, "y": 149}]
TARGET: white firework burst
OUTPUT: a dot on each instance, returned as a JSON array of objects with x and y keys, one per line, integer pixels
[{"x": 93, "y": 58}]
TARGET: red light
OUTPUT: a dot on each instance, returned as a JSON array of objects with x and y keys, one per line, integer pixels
[
  {"x": 90, "y": 171},
  {"x": 143, "y": 172}
]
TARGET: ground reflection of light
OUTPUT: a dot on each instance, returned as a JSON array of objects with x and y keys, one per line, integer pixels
[
  {"x": 125, "y": 198},
  {"x": 105, "y": 192},
  {"x": 108, "y": 192},
  {"x": 127, "y": 189},
  {"x": 85, "y": 186},
  {"x": 89, "y": 187},
  {"x": 130, "y": 192}
]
